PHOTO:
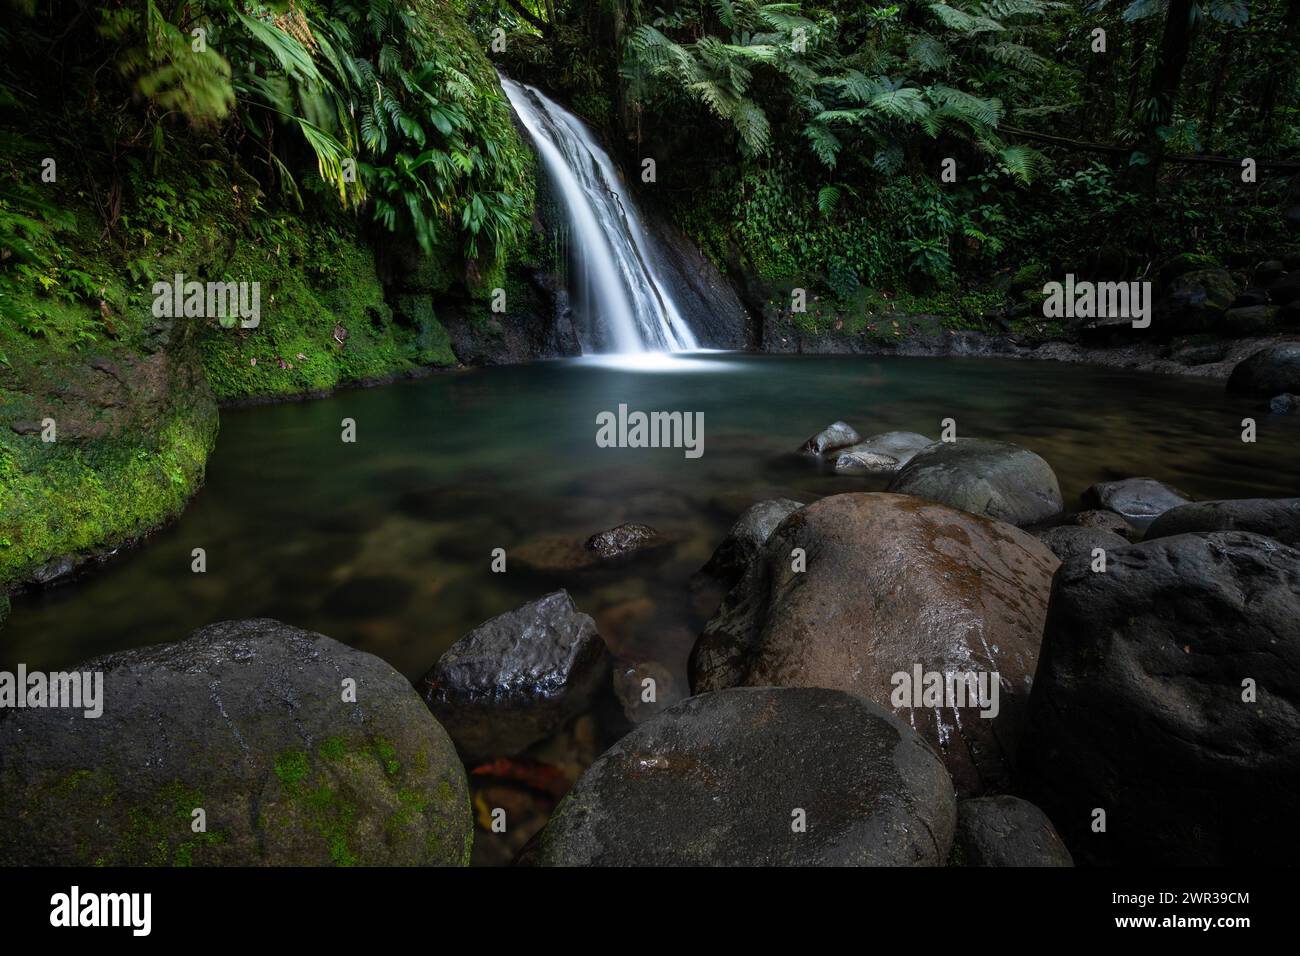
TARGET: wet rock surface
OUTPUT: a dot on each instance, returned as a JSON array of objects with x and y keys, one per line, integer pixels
[
  {"x": 1277, "y": 518},
  {"x": 1139, "y": 501},
  {"x": 721, "y": 779},
  {"x": 517, "y": 678},
  {"x": 880, "y": 454},
  {"x": 1138, "y": 707},
  {"x": 831, "y": 438},
  {"x": 1103, "y": 520},
  {"x": 747, "y": 537},
  {"x": 1006, "y": 831},
  {"x": 991, "y": 478},
  {"x": 1270, "y": 371},
  {"x": 891, "y": 582},
  {"x": 623, "y": 541},
  {"x": 250, "y": 721},
  {"x": 1069, "y": 540}
]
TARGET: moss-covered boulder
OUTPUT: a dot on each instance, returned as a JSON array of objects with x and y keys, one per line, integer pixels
[
  {"x": 1196, "y": 301},
  {"x": 96, "y": 450},
  {"x": 297, "y": 749}
]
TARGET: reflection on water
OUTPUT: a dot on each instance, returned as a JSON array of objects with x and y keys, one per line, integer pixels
[{"x": 386, "y": 544}]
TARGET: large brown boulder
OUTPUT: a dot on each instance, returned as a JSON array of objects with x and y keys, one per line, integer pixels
[{"x": 892, "y": 583}]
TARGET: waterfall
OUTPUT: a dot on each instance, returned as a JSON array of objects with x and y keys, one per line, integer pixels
[{"x": 628, "y": 306}]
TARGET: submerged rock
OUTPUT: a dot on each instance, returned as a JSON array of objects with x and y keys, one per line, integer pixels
[
  {"x": 1284, "y": 404},
  {"x": 1006, "y": 831},
  {"x": 623, "y": 540},
  {"x": 517, "y": 678},
  {"x": 1270, "y": 371},
  {"x": 832, "y": 437},
  {"x": 1166, "y": 695},
  {"x": 891, "y": 583},
  {"x": 1138, "y": 500},
  {"x": 747, "y": 537},
  {"x": 1277, "y": 518},
  {"x": 759, "y": 777},
  {"x": 995, "y": 479},
  {"x": 300, "y": 751},
  {"x": 558, "y": 556},
  {"x": 645, "y": 689},
  {"x": 880, "y": 454}
]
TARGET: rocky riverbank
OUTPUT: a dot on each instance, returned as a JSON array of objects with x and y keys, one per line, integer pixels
[{"x": 966, "y": 668}]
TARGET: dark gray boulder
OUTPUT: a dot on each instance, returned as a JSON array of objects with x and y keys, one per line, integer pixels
[
  {"x": 1168, "y": 696},
  {"x": 723, "y": 779},
  {"x": 1103, "y": 520},
  {"x": 880, "y": 454},
  {"x": 747, "y": 537},
  {"x": 1278, "y": 518},
  {"x": 1006, "y": 831},
  {"x": 1270, "y": 371},
  {"x": 995, "y": 479},
  {"x": 1197, "y": 301},
  {"x": 831, "y": 438},
  {"x": 1286, "y": 290},
  {"x": 1250, "y": 320},
  {"x": 1070, "y": 540},
  {"x": 300, "y": 751},
  {"x": 517, "y": 678},
  {"x": 1138, "y": 500},
  {"x": 1268, "y": 272}
]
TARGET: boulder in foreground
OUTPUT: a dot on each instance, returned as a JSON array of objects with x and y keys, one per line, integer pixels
[
  {"x": 254, "y": 723},
  {"x": 1006, "y": 831},
  {"x": 892, "y": 584},
  {"x": 517, "y": 678},
  {"x": 758, "y": 776},
  {"x": 1168, "y": 696}
]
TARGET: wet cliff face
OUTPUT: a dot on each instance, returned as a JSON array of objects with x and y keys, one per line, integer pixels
[{"x": 708, "y": 298}]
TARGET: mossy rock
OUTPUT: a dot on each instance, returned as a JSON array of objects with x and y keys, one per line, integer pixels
[
  {"x": 256, "y": 724},
  {"x": 96, "y": 450},
  {"x": 1187, "y": 262}
]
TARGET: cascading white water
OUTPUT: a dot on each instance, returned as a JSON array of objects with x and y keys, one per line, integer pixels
[{"x": 629, "y": 304}]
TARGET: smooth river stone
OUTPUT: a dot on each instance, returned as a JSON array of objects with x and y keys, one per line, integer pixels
[{"x": 891, "y": 582}]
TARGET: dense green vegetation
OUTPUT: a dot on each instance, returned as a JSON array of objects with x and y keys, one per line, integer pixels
[
  {"x": 355, "y": 159},
  {"x": 839, "y": 116}
]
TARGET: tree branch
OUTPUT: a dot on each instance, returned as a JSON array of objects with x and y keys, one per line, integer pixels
[
  {"x": 1113, "y": 150},
  {"x": 531, "y": 17}
]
